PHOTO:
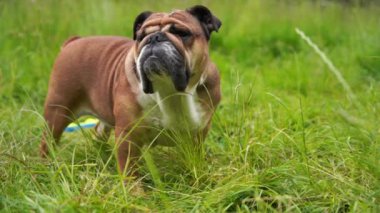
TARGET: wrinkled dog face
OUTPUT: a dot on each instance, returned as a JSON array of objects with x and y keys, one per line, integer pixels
[
  {"x": 173, "y": 46},
  {"x": 159, "y": 58}
]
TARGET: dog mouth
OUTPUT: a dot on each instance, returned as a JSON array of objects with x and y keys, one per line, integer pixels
[
  {"x": 162, "y": 60},
  {"x": 153, "y": 65}
]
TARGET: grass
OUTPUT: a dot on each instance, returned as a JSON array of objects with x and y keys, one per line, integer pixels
[{"x": 286, "y": 137}]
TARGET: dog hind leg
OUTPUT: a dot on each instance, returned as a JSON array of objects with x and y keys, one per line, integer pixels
[
  {"x": 57, "y": 118},
  {"x": 102, "y": 131}
]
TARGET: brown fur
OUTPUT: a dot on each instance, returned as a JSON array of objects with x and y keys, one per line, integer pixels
[{"x": 98, "y": 73}]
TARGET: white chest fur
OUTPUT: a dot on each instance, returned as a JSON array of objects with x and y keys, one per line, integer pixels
[{"x": 172, "y": 110}]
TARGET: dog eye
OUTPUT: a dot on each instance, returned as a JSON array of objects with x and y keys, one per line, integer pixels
[{"x": 180, "y": 32}]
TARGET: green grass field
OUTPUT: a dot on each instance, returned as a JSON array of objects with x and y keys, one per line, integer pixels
[{"x": 288, "y": 136}]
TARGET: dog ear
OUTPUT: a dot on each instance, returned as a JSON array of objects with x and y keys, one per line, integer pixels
[
  {"x": 208, "y": 21},
  {"x": 139, "y": 22}
]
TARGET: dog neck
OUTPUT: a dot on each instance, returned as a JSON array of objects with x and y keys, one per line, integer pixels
[
  {"x": 174, "y": 110},
  {"x": 167, "y": 108}
]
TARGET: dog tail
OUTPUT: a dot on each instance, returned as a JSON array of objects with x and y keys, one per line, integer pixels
[{"x": 71, "y": 39}]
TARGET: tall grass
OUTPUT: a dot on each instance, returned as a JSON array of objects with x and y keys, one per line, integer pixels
[{"x": 285, "y": 137}]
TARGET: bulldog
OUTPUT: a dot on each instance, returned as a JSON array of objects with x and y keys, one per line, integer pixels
[{"x": 163, "y": 79}]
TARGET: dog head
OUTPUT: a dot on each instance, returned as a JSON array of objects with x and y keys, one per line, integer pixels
[{"x": 173, "y": 46}]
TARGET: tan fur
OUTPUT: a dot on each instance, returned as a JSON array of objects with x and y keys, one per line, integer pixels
[{"x": 97, "y": 75}]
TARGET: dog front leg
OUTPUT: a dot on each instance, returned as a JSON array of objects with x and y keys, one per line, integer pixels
[{"x": 128, "y": 152}]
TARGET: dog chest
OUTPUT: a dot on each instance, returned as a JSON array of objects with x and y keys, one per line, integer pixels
[{"x": 179, "y": 111}]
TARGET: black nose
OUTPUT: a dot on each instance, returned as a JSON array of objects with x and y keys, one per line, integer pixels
[{"x": 157, "y": 37}]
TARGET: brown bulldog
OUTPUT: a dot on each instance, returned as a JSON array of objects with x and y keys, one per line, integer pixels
[{"x": 163, "y": 79}]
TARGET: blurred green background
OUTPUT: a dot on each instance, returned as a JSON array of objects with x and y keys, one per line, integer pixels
[{"x": 286, "y": 137}]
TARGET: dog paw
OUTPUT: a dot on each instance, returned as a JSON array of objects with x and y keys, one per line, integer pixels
[{"x": 137, "y": 189}]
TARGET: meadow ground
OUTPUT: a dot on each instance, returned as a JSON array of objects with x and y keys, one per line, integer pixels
[{"x": 289, "y": 134}]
